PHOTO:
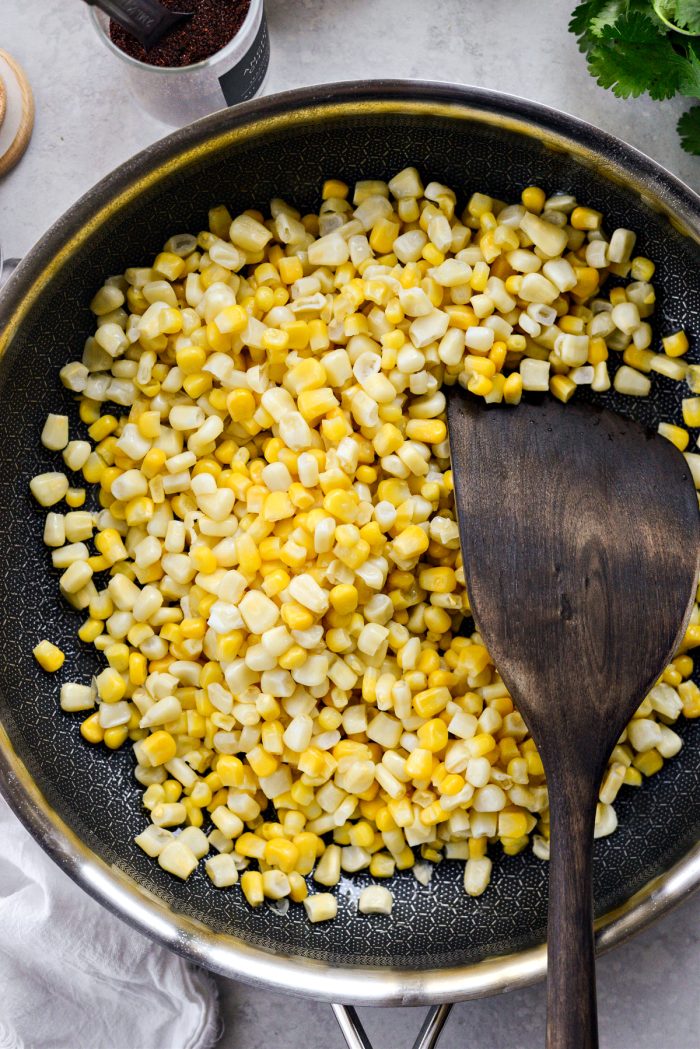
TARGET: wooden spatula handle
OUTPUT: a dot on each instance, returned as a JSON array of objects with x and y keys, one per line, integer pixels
[{"x": 571, "y": 994}]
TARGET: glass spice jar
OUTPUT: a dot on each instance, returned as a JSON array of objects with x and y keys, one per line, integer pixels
[{"x": 177, "y": 95}]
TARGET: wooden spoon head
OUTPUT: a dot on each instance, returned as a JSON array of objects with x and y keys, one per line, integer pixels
[{"x": 580, "y": 535}]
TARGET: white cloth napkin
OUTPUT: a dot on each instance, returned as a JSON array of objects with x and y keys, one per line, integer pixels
[{"x": 72, "y": 976}]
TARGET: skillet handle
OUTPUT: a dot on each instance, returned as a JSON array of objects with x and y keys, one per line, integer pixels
[{"x": 356, "y": 1037}]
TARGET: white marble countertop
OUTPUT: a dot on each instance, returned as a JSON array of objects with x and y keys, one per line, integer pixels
[{"x": 86, "y": 124}]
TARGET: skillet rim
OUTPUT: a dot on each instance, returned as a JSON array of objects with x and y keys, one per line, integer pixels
[{"x": 226, "y": 955}]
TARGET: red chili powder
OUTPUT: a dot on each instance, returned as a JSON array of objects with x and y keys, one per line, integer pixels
[{"x": 212, "y": 25}]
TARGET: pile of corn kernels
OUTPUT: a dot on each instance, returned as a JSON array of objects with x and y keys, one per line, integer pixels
[{"x": 275, "y": 577}]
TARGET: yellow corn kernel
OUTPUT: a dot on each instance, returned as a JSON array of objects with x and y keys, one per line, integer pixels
[
  {"x": 438, "y": 580},
  {"x": 49, "y": 656},
  {"x": 342, "y": 505},
  {"x": 410, "y": 543},
  {"x": 138, "y": 668},
  {"x": 512, "y": 846},
  {"x": 513, "y": 389},
  {"x": 585, "y": 218},
  {"x": 159, "y": 747},
  {"x": 116, "y": 736},
  {"x": 333, "y": 187},
  {"x": 94, "y": 468},
  {"x": 431, "y": 701},
  {"x": 477, "y": 848},
  {"x": 430, "y": 431},
  {"x": 497, "y": 355},
  {"x": 282, "y": 854},
  {"x": 251, "y": 846},
  {"x": 109, "y": 543},
  {"x": 691, "y": 411},
  {"x": 562, "y": 387},
  {"x": 277, "y": 342},
  {"x": 533, "y": 198},
  {"x": 298, "y": 332},
  {"x": 405, "y": 859},
  {"x": 293, "y": 658},
  {"x": 275, "y": 582},
  {"x": 597, "y": 351},
  {"x": 649, "y": 762},
  {"x": 684, "y": 665},
  {"x": 480, "y": 745},
  {"x": 230, "y": 770},
  {"x": 262, "y": 763},
  {"x": 313, "y": 404},
  {"x": 240, "y": 405},
  {"x": 675, "y": 434},
  {"x": 291, "y": 269},
  {"x": 676, "y": 345},
  {"x": 252, "y": 887},
  {"x": 231, "y": 320},
  {"x": 89, "y": 410},
  {"x": 433, "y": 814},
  {"x": 452, "y": 784},
  {"x": 690, "y": 694},
  {"x": 479, "y": 385},
  {"x": 437, "y": 620},
  {"x": 432, "y": 735},
  {"x": 384, "y": 233},
  {"x": 633, "y": 777},
  {"x": 75, "y": 497},
  {"x": 691, "y": 638},
  {"x": 198, "y": 384},
  {"x": 190, "y": 360},
  {"x": 587, "y": 283},
  {"x": 91, "y": 730},
  {"x": 153, "y": 462},
  {"x": 344, "y": 598},
  {"x": 111, "y": 685},
  {"x": 298, "y": 890},
  {"x": 642, "y": 268},
  {"x": 296, "y": 617},
  {"x": 103, "y": 427},
  {"x": 90, "y": 629},
  {"x": 534, "y": 763},
  {"x": 117, "y": 656},
  {"x": 512, "y": 824},
  {"x": 204, "y": 559}
]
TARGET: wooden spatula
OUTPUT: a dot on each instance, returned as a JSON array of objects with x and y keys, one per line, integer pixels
[{"x": 581, "y": 540}]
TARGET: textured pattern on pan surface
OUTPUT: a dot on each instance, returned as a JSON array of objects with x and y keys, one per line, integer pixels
[{"x": 93, "y": 790}]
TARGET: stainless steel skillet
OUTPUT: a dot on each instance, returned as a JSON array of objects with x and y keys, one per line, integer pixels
[{"x": 82, "y": 804}]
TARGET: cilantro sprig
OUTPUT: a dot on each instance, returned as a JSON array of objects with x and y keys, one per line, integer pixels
[{"x": 637, "y": 47}]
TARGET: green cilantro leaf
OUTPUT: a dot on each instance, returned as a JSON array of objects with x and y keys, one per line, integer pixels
[
  {"x": 631, "y": 57},
  {"x": 691, "y": 80},
  {"x": 689, "y": 130},
  {"x": 584, "y": 18},
  {"x": 591, "y": 17},
  {"x": 608, "y": 15},
  {"x": 666, "y": 11},
  {"x": 688, "y": 15}
]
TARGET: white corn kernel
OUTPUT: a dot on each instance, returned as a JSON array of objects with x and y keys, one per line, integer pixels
[
  {"x": 49, "y": 488},
  {"x": 55, "y": 432},
  {"x": 376, "y": 899},
  {"x": 177, "y": 859},
  {"x": 477, "y": 875},
  {"x": 77, "y": 697},
  {"x": 320, "y": 907},
  {"x": 222, "y": 870}
]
